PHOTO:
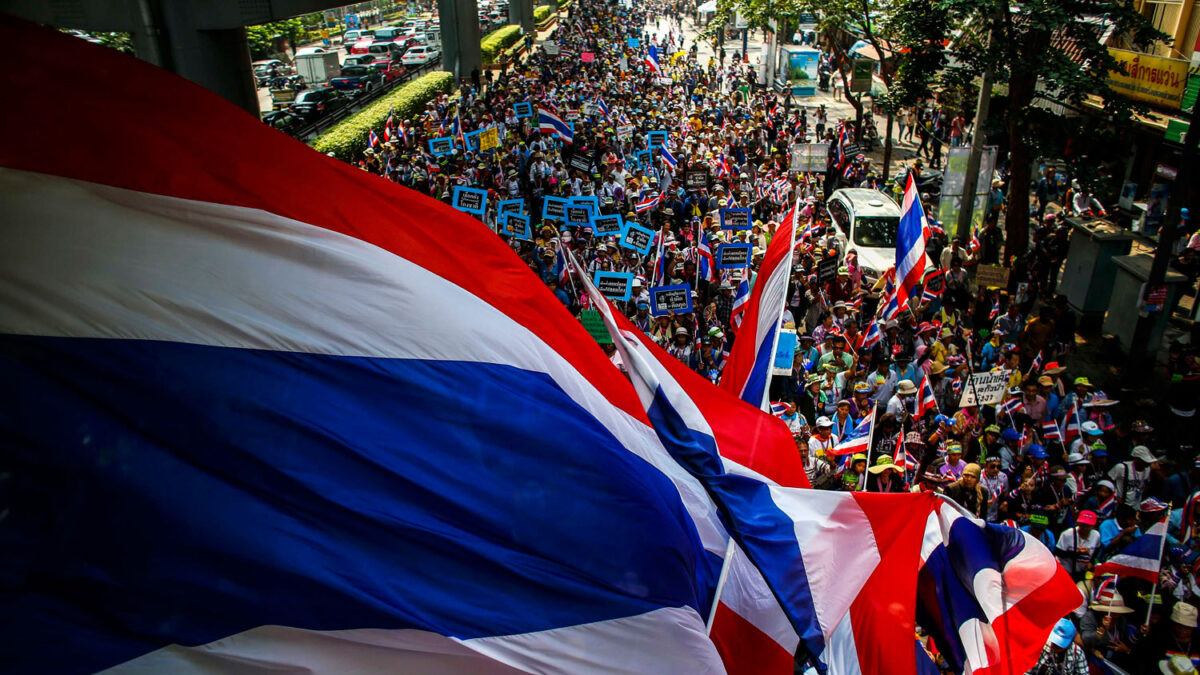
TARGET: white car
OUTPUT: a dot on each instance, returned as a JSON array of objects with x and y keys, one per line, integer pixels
[
  {"x": 310, "y": 50},
  {"x": 867, "y": 222},
  {"x": 420, "y": 55}
]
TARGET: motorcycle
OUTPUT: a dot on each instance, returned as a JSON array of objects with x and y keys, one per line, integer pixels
[{"x": 928, "y": 180}]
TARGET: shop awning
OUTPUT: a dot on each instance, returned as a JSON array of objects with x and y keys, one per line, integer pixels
[{"x": 708, "y": 7}]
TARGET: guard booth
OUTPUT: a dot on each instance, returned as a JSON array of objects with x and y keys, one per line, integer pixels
[{"x": 1087, "y": 279}]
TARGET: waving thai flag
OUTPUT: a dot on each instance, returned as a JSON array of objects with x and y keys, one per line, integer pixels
[
  {"x": 748, "y": 371},
  {"x": 902, "y": 457},
  {"x": 730, "y": 203},
  {"x": 387, "y": 127},
  {"x": 741, "y": 297},
  {"x": 268, "y": 480},
  {"x": 872, "y": 336},
  {"x": 603, "y": 106},
  {"x": 551, "y": 123},
  {"x": 1141, "y": 558},
  {"x": 1013, "y": 406},
  {"x": 910, "y": 244},
  {"x": 989, "y": 594},
  {"x": 995, "y": 311},
  {"x": 1050, "y": 431},
  {"x": 1070, "y": 423},
  {"x": 928, "y": 401},
  {"x": 705, "y": 265},
  {"x": 652, "y": 60},
  {"x": 372, "y": 139},
  {"x": 667, "y": 156},
  {"x": 648, "y": 203},
  {"x": 859, "y": 438}
]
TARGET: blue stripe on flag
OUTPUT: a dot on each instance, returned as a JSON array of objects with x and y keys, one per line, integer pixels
[
  {"x": 756, "y": 384},
  {"x": 184, "y": 493}
]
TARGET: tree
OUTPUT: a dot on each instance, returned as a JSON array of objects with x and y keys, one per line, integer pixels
[
  {"x": 1051, "y": 49},
  {"x": 262, "y": 39}
]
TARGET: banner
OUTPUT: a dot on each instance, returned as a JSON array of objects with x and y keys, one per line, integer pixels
[
  {"x": 809, "y": 157},
  {"x": 489, "y": 139},
  {"x": 785, "y": 352},
  {"x": 989, "y": 387},
  {"x": 953, "y": 181},
  {"x": 1154, "y": 79}
]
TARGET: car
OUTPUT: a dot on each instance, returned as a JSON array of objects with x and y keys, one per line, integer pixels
[
  {"x": 867, "y": 221},
  {"x": 313, "y": 104},
  {"x": 420, "y": 55},
  {"x": 265, "y": 71},
  {"x": 391, "y": 70},
  {"x": 385, "y": 51},
  {"x": 362, "y": 45},
  {"x": 356, "y": 80},
  {"x": 310, "y": 50},
  {"x": 284, "y": 121},
  {"x": 388, "y": 34},
  {"x": 359, "y": 60}
]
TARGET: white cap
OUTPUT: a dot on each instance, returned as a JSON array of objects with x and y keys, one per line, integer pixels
[
  {"x": 1143, "y": 453},
  {"x": 824, "y": 422}
]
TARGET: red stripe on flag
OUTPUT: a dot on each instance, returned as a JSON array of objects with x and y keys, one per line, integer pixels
[{"x": 745, "y": 649}]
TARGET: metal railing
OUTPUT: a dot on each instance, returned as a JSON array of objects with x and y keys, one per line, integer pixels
[{"x": 311, "y": 131}]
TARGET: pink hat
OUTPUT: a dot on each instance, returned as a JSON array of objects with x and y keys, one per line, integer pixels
[{"x": 1086, "y": 518}]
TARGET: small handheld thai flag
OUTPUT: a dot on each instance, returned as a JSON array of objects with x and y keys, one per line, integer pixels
[
  {"x": 372, "y": 139},
  {"x": 778, "y": 408},
  {"x": 1036, "y": 366},
  {"x": 858, "y": 440},
  {"x": 667, "y": 157},
  {"x": 1050, "y": 431},
  {"x": 706, "y": 264},
  {"x": 387, "y": 128},
  {"x": 652, "y": 60},
  {"x": 1013, "y": 406},
  {"x": 648, "y": 203},
  {"x": 550, "y": 123},
  {"x": 730, "y": 203},
  {"x": 740, "y": 298},
  {"x": 928, "y": 401},
  {"x": 403, "y": 133},
  {"x": 602, "y": 106},
  {"x": 1070, "y": 423},
  {"x": 872, "y": 336},
  {"x": 995, "y": 311},
  {"x": 1142, "y": 557}
]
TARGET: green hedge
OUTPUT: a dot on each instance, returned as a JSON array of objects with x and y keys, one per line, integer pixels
[
  {"x": 542, "y": 13},
  {"x": 494, "y": 42},
  {"x": 348, "y": 139}
]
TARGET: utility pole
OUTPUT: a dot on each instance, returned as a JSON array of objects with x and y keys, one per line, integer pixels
[
  {"x": 966, "y": 211},
  {"x": 1166, "y": 241}
]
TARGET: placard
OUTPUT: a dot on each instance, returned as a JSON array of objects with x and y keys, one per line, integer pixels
[
  {"x": 735, "y": 219},
  {"x": 581, "y": 162},
  {"x": 991, "y": 276},
  {"x": 578, "y": 215},
  {"x": 571, "y": 116},
  {"x": 731, "y": 256},
  {"x": 469, "y": 200},
  {"x": 625, "y": 132},
  {"x": 554, "y": 208},
  {"x": 472, "y": 140},
  {"x": 510, "y": 206},
  {"x": 656, "y": 138},
  {"x": 990, "y": 388},
  {"x": 515, "y": 225},
  {"x": 633, "y": 43},
  {"x": 809, "y": 157},
  {"x": 587, "y": 57},
  {"x": 637, "y": 238},
  {"x": 785, "y": 352},
  {"x": 591, "y": 110},
  {"x": 605, "y": 225},
  {"x": 644, "y": 158},
  {"x": 441, "y": 146},
  {"x": 593, "y": 323},
  {"x": 489, "y": 139},
  {"x": 674, "y": 298},
  {"x": 614, "y": 285},
  {"x": 523, "y": 109},
  {"x": 696, "y": 179},
  {"x": 592, "y": 202},
  {"x": 665, "y": 81},
  {"x": 827, "y": 269}
]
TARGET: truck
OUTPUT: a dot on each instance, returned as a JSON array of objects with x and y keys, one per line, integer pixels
[{"x": 319, "y": 68}]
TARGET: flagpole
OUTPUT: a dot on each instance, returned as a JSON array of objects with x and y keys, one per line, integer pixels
[
  {"x": 862, "y": 487},
  {"x": 1162, "y": 542},
  {"x": 712, "y": 612},
  {"x": 766, "y": 395}
]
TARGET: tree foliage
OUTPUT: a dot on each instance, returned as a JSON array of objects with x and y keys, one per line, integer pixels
[{"x": 262, "y": 39}]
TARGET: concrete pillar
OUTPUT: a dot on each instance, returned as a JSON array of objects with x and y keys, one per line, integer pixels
[
  {"x": 520, "y": 13},
  {"x": 460, "y": 37}
]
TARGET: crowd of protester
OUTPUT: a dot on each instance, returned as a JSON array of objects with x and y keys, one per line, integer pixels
[{"x": 1055, "y": 456}]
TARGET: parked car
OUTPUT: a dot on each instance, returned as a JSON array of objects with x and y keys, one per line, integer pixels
[
  {"x": 356, "y": 80},
  {"x": 314, "y": 104},
  {"x": 420, "y": 55},
  {"x": 867, "y": 221}
]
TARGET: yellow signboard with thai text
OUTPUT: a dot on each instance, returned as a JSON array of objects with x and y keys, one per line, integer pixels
[{"x": 1153, "y": 79}]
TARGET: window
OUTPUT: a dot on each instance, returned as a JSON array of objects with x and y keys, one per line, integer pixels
[
  {"x": 876, "y": 231},
  {"x": 841, "y": 217}
]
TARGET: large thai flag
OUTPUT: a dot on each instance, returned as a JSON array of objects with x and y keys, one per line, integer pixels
[
  {"x": 667, "y": 156},
  {"x": 910, "y": 245},
  {"x": 838, "y": 608},
  {"x": 748, "y": 370},
  {"x": 234, "y": 407},
  {"x": 989, "y": 594},
  {"x": 551, "y": 123},
  {"x": 706, "y": 265},
  {"x": 1141, "y": 558},
  {"x": 872, "y": 336},
  {"x": 652, "y": 60}
]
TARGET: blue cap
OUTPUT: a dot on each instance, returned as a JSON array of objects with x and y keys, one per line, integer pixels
[
  {"x": 1036, "y": 450},
  {"x": 942, "y": 418},
  {"x": 1099, "y": 452},
  {"x": 1010, "y": 435},
  {"x": 643, "y": 305},
  {"x": 1063, "y": 633}
]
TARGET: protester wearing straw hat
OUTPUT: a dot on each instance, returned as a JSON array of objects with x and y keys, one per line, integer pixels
[
  {"x": 1106, "y": 623},
  {"x": 884, "y": 476}
]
